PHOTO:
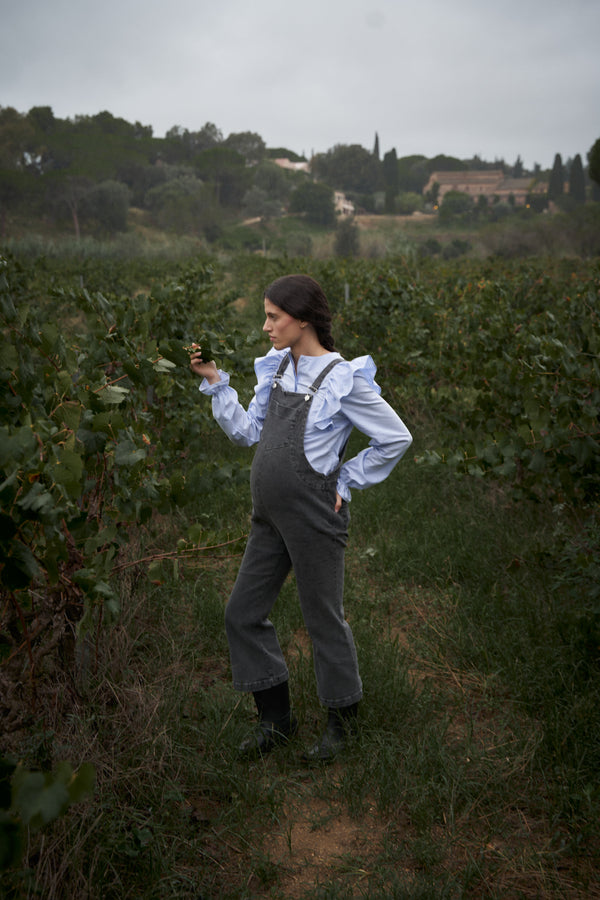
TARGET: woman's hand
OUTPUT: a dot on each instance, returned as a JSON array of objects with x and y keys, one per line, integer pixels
[
  {"x": 204, "y": 369},
  {"x": 338, "y": 502}
]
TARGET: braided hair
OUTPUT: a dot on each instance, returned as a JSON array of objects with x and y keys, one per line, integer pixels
[{"x": 301, "y": 297}]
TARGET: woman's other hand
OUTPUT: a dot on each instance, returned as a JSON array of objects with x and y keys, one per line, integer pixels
[
  {"x": 204, "y": 369},
  {"x": 338, "y": 502}
]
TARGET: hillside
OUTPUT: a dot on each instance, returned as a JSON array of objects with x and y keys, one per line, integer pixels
[{"x": 101, "y": 177}]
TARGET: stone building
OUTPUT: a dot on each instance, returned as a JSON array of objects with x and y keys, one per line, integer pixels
[{"x": 489, "y": 183}]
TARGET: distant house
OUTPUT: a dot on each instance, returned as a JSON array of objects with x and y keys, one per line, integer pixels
[
  {"x": 285, "y": 163},
  {"x": 491, "y": 184},
  {"x": 343, "y": 206}
]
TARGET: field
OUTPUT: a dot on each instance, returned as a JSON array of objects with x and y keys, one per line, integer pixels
[
  {"x": 519, "y": 234},
  {"x": 472, "y": 589}
]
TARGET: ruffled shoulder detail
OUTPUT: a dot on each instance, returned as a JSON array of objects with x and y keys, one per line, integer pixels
[
  {"x": 265, "y": 368},
  {"x": 338, "y": 384}
]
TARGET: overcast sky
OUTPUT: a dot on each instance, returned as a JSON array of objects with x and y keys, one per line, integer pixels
[{"x": 460, "y": 77}]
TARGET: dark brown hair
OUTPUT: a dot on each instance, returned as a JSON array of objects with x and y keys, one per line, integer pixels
[{"x": 303, "y": 298}]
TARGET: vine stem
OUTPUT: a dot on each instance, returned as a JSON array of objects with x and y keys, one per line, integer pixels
[
  {"x": 173, "y": 554},
  {"x": 27, "y": 637}
]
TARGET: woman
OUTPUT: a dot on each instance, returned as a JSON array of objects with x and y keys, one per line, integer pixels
[{"x": 307, "y": 401}]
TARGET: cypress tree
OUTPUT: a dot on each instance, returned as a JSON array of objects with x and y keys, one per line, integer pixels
[
  {"x": 391, "y": 178},
  {"x": 376, "y": 147},
  {"x": 594, "y": 162},
  {"x": 518, "y": 168},
  {"x": 556, "y": 185},
  {"x": 594, "y": 169},
  {"x": 577, "y": 181}
]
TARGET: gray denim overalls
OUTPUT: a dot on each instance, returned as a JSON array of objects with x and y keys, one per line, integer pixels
[{"x": 294, "y": 525}]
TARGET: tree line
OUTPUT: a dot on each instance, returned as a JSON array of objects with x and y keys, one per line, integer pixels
[{"x": 89, "y": 171}]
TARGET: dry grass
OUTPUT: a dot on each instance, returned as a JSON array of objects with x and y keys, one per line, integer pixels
[{"x": 313, "y": 838}]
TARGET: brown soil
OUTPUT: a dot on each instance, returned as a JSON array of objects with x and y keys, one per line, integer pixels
[{"x": 317, "y": 840}]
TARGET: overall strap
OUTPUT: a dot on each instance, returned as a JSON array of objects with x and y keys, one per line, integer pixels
[
  {"x": 282, "y": 367},
  {"x": 315, "y": 387},
  {"x": 323, "y": 375}
]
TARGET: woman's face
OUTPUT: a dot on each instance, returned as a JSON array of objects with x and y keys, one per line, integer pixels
[{"x": 283, "y": 330}]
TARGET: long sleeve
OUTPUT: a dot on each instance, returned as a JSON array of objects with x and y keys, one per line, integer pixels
[
  {"x": 242, "y": 427},
  {"x": 389, "y": 438}
]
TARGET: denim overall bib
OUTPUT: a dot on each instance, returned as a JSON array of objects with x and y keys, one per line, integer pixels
[{"x": 294, "y": 525}]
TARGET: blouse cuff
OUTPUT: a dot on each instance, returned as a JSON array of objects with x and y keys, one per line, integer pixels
[
  {"x": 207, "y": 388},
  {"x": 344, "y": 491}
]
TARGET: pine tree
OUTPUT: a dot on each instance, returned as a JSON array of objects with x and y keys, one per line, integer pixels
[
  {"x": 556, "y": 185},
  {"x": 577, "y": 181}
]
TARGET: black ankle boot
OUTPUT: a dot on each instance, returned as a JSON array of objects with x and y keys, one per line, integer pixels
[
  {"x": 276, "y": 724},
  {"x": 341, "y": 725}
]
